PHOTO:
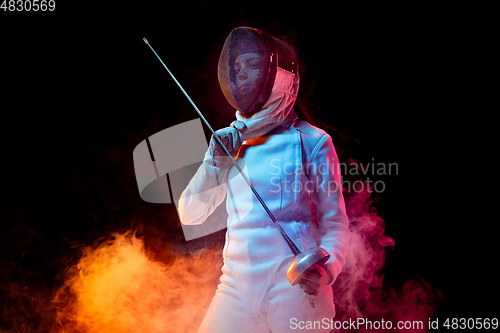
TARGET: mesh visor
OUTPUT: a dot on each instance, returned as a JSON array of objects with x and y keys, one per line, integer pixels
[{"x": 244, "y": 70}]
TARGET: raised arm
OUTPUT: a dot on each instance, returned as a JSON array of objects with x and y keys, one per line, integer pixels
[{"x": 208, "y": 187}]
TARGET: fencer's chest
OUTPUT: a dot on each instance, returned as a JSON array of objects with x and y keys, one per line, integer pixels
[{"x": 270, "y": 162}]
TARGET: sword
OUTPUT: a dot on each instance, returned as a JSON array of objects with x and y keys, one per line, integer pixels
[{"x": 303, "y": 260}]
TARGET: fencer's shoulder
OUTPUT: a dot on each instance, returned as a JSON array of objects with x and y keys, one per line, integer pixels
[
  {"x": 312, "y": 139},
  {"x": 311, "y": 132}
]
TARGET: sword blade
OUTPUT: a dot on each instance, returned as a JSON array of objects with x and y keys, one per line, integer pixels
[{"x": 289, "y": 242}]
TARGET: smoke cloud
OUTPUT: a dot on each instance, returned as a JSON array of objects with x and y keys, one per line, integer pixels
[
  {"x": 118, "y": 286},
  {"x": 360, "y": 291},
  {"x": 130, "y": 283}
]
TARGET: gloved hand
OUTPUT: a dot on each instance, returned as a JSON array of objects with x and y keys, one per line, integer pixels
[
  {"x": 216, "y": 156},
  {"x": 312, "y": 281}
]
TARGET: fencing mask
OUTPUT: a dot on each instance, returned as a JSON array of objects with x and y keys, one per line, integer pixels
[{"x": 248, "y": 65}]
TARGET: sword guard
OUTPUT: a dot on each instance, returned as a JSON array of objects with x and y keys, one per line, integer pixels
[{"x": 303, "y": 261}]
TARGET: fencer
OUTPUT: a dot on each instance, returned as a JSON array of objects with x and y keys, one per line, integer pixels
[{"x": 295, "y": 168}]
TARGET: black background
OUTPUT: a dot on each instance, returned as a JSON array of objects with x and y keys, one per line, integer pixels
[{"x": 80, "y": 90}]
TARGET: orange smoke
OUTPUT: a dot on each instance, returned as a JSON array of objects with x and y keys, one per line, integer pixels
[{"x": 117, "y": 287}]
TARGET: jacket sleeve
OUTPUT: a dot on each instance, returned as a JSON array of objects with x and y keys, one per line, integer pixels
[
  {"x": 333, "y": 224},
  {"x": 206, "y": 190}
]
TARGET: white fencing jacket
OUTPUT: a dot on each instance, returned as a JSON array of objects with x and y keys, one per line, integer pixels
[{"x": 296, "y": 171}]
